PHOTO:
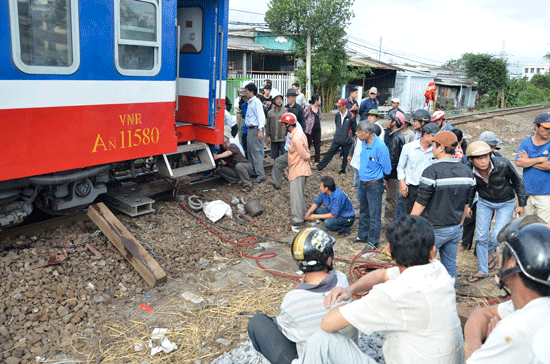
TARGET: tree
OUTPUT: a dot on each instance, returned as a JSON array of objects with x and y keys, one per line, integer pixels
[
  {"x": 489, "y": 71},
  {"x": 546, "y": 57},
  {"x": 326, "y": 21}
]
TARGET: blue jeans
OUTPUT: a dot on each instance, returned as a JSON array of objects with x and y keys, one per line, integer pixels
[
  {"x": 339, "y": 224},
  {"x": 486, "y": 244},
  {"x": 446, "y": 241},
  {"x": 370, "y": 210},
  {"x": 399, "y": 207}
]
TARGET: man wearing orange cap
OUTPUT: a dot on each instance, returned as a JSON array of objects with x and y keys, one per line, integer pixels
[
  {"x": 446, "y": 191},
  {"x": 533, "y": 157},
  {"x": 345, "y": 128}
]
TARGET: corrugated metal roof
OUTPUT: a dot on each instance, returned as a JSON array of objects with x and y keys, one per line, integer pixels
[
  {"x": 256, "y": 48},
  {"x": 363, "y": 62}
]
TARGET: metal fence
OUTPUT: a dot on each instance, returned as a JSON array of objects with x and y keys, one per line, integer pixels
[{"x": 281, "y": 82}]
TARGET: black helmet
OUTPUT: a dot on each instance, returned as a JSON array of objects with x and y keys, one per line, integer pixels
[
  {"x": 528, "y": 239},
  {"x": 311, "y": 248},
  {"x": 422, "y": 115}
]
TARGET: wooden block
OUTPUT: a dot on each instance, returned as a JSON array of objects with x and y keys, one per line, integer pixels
[{"x": 126, "y": 244}]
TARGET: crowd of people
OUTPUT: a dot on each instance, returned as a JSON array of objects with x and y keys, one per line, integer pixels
[{"x": 438, "y": 192}]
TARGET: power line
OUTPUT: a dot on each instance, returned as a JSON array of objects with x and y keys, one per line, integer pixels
[
  {"x": 393, "y": 52},
  {"x": 246, "y": 11}
]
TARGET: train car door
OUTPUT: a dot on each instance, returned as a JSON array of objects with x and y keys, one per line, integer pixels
[{"x": 202, "y": 60}]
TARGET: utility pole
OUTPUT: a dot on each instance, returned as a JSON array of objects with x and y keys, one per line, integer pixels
[
  {"x": 308, "y": 66},
  {"x": 380, "y": 50}
]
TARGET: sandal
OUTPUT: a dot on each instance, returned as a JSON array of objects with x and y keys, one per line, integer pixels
[
  {"x": 492, "y": 263},
  {"x": 475, "y": 278},
  {"x": 247, "y": 189}
]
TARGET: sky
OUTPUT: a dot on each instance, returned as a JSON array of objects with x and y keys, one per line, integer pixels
[{"x": 433, "y": 32}]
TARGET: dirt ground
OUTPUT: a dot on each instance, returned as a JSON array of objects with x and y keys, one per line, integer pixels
[{"x": 88, "y": 310}]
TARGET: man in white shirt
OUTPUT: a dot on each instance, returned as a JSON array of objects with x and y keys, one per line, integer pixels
[
  {"x": 505, "y": 333},
  {"x": 414, "y": 158},
  {"x": 413, "y": 304},
  {"x": 255, "y": 121}
]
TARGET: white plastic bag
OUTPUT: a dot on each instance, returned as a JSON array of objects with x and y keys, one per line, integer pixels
[{"x": 215, "y": 210}]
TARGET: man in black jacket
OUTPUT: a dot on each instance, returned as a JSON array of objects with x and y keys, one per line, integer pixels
[
  {"x": 394, "y": 141},
  {"x": 446, "y": 191},
  {"x": 295, "y": 108},
  {"x": 498, "y": 183},
  {"x": 345, "y": 128}
]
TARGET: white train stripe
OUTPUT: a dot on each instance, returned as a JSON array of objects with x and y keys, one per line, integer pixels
[
  {"x": 195, "y": 87},
  {"x": 22, "y": 94}
]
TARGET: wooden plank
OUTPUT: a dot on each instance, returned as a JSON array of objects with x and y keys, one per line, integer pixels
[{"x": 126, "y": 244}]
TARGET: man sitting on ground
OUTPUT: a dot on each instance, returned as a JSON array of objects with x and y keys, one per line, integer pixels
[
  {"x": 338, "y": 213},
  {"x": 236, "y": 168},
  {"x": 281, "y": 339},
  {"x": 413, "y": 304},
  {"x": 505, "y": 333}
]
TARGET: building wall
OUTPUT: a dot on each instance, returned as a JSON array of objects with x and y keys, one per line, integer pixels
[
  {"x": 410, "y": 89},
  {"x": 529, "y": 70}
]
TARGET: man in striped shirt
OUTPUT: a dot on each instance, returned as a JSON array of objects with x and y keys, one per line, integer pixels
[
  {"x": 446, "y": 192},
  {"x": 282, "y": 339}
]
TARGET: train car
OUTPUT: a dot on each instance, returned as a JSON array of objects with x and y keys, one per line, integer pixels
[{"x": 88, "y": 85}]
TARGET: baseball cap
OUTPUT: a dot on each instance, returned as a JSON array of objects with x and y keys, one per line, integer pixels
[
  {"x": 445, "y": 138},
  {"x": 489, "y": 137},
  {"x": 430, "y": 129},
  {"x": 267, "y": 87},
  {"x": 227, "y": 132},
  {"x": 373, "y": 112},
  {"x": 543, "y": 119},
  {"x": 291, "y": 92},
  {"x": 395, "y": 100},
  {"x": 341, "y": 102},
  {"x": 373, "y": 90}
]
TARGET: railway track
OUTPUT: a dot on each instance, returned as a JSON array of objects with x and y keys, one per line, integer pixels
[{"x": 164, "y": 190}]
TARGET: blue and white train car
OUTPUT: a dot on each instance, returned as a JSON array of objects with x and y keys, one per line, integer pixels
[{"x": 85, "y": 85}]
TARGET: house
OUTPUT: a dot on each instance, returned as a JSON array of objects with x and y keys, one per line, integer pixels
[
  {"x": 529, "y": 70},
  {"x": 255, "y": 55},
  {"x": 383, "y": 78},
  {"x": 454, "y": 90}
]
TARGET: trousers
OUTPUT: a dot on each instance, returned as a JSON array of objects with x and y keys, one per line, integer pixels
[
  {"x": 297, "y": 202},
  {"x": 338, "y": 224},
  {"x": 241, "y": 172},
  {"x": 315, "y": 139},
  {"x": 255, "y": 153},
  {"x": 332, "y": 348},
  {"x": 334, "y": 147},
  {"x": 269, "y": 341},
  {"x": 278, "y": 166}
]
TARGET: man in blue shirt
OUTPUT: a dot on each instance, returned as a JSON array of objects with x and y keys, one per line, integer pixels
[
  {"x": 375, "y": 162},
  {"x": 255, "y": 122},
  {"x": 369, "y": 103},
  {"x": 338, "y": 213},
  {"x": 533, "y": 157}
]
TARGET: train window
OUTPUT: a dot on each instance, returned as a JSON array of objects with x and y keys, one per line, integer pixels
[
  {"x": 45, "y": 36},
  {"x": 190, "y": 21},
  {"x": 137, "y": 22}
]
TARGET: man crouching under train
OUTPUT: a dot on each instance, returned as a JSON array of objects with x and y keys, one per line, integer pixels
[{"x": 413, "y": 304}]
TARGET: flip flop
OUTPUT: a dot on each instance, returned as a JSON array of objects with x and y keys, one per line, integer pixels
[
  {"x": 493, "y": 262},
  {"x": 473, "y": 278}
]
